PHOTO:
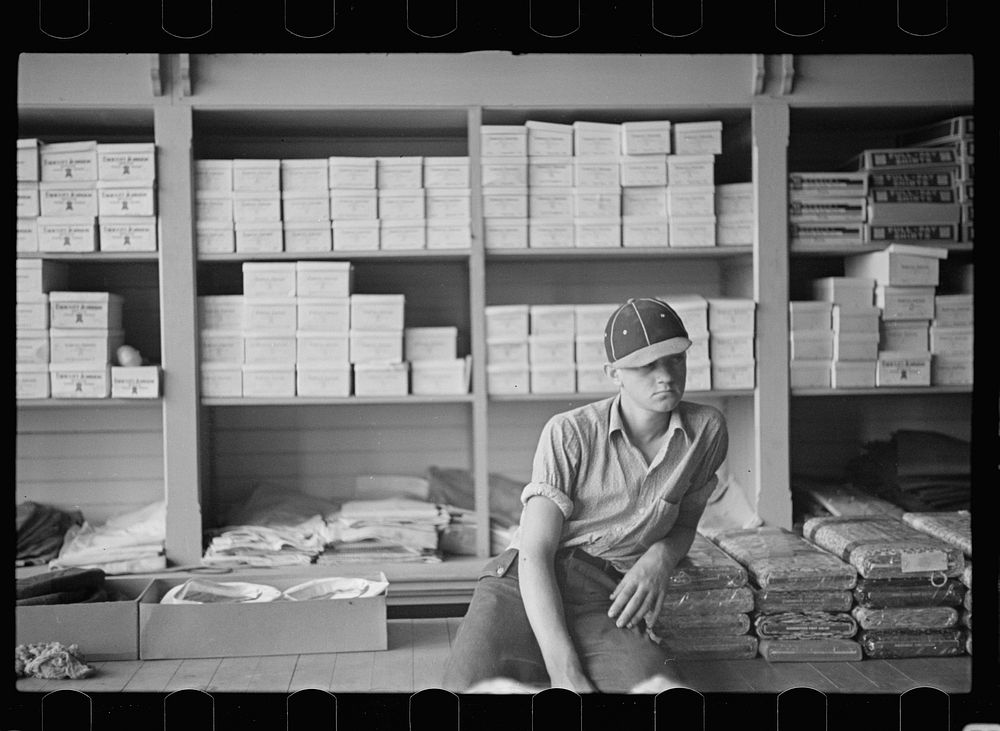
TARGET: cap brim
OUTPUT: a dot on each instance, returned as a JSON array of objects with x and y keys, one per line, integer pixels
[{"x": 645, "y": 356}]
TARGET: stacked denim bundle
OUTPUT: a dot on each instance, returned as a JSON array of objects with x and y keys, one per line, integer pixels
[
  {"x": 801, "y": 595},
  {"x": 907, "y": 594},
  {"x": 706, "y": 614}
]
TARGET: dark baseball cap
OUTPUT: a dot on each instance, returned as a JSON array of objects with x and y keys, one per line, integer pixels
[{"x": 642, "y": 330}]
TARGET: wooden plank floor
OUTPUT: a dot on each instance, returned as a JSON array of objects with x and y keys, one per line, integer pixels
[{"x": 416, "y": 657}]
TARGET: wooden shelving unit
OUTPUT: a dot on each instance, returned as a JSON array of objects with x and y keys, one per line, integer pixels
[{"x": 314, "y": 105}]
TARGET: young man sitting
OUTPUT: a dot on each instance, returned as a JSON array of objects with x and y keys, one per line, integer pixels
[{"x": 616, "y": 492}]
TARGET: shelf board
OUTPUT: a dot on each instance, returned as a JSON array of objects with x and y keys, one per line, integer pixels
[
  {"x": 618, "y": 253},
  {"x": 883, "y": 391},
  {"x": 595, "y": 396},
  {"x": 337, "y": 401},
  {"x": 848, "y": 249},
  {"x": 90, "y": 403},
  {"x": 419, "y": 254},
  {"x": 91, "y": 256}
]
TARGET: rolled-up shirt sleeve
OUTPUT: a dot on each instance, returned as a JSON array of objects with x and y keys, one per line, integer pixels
[{"x": 555, "y": 466}]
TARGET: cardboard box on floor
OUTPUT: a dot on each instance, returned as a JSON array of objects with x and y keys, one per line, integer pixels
[
  {"x": 281, "y": 627},
  {"x": 103, "y": 630}
]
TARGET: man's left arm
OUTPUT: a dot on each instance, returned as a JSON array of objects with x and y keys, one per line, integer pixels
[{"x": 642, "y": 590}]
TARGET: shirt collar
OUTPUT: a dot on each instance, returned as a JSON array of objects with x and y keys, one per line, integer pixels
[{"x": 677, "y": 420}]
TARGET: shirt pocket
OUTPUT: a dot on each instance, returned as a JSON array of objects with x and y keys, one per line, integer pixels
[{"x": 500, "y": 565}]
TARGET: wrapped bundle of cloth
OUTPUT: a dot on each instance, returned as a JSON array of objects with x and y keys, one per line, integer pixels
[
  {"x": 953, "y": 527},
  {"x": 706, "y": 613},
  {"x": 410, "y": 525},
  {"x": 884, "y": 548},
  {"x": 128, "y": 543},
  {"x": 802, "y": 596},
  {"x": 50, "y": 661},
  {"x": 907, "y": 592},
  {"x": 894, "y": 644},
  {"x": 41, "y": 530},
  {"x": 274, "y": 527}
]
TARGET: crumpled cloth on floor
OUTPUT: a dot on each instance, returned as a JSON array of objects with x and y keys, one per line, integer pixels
[
  {"x": 134, "y": 536},
  {"x": 51, "y": 661}
]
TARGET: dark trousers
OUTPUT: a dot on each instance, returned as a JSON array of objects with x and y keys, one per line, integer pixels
[{"x": 495, "y": 639}]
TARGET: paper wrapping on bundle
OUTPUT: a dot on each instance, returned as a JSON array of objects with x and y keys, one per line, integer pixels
[
  {"x": 888, "y": 593},
  {"x": 826, "y": 650},
  {"x": 770, "y": 601},
  {"x": 743, "y": 647},
  {"x": 714, "y": 625},
  {"x": 906, "y": 617},
  {"x": 708, "y": 601},
  {"x": 779, "y": 559},
  {"x": 954, "y": 527},
  {"x": 883, "y": 548},
  {"x": 706, "y": 566},
  {"x": 888, "y": 644},
  {"x": 805, "y": 626}
]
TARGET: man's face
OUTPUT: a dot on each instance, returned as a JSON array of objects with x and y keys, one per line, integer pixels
[{"x": 657, "y": 386}]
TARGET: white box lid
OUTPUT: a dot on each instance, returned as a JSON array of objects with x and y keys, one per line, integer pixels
[
  {"x": 60, "y": 147},
  {"x": 549, "y": 126},
  {"x": 84, "y": 297}
]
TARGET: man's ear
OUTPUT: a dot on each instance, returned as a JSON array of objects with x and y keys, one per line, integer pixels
[{"x": 611, "y": 372}]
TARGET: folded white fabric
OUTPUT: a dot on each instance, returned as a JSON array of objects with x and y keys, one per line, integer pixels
[{"x": 335, "y": 587}]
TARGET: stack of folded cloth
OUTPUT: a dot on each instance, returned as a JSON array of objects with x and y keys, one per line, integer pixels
[
  {"x": 275, "y": 527},
  {"x": 954, "y": 528},
  {"x": 705, "y": 615},
  {"x": 801, "y": 595},
  {"x": 128, "y": 543},
  {"x": 401, "y": 529},
  {"x": 64, "y": 586},
  {"x": 41, "y": 529},
  {"x": 903, "y": 599}
]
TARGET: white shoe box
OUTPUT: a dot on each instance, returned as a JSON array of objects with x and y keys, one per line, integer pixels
[
  {"x": 353, "y": 204},
  {"x": 328, "y": 315},
  {"x": 137, "y": 382},
  {"x": 381, "y": 379},
  {"x": 448, "y": 233},
  {"x": 853, "y": 374},
  {"x": 905, "y": 303},
  {"x": 27, "y": 235},
  {"x": 322, "y": 381},
  {"x": 855, "y": 346},
  {"x": 809, "y": 373},
  {"x": 31, "y": 347},
  {"x": 305, "y": 206},
  {"x": 32, "y": 312},
  {"x": 730, "y": 314},
  {"x": 382, "y": 346},
  {"x": 443, "y": 377},
  {"x": 356, "y": 235},
  {"x": 897, "y": 368},
  {"x": 504, "y": 140},
  {"x": 692, "y": 231},
  {"x": 597, "y": 172},
  {"x": 507, "y": 321},
  {"x": 405, "y": 173},
  {"x": 729, "y": 375},
  {"x": 698, "y": 138},
  {"x": 856, "y": 319},
  {"x": 559, "y": 378},
  {"x": 66, "y": 234},
  {"x": 312, "y": 175},
  {"x": 269, "y": 279},
  {"x": 221, "y": 346},
  {"x": 547, "y": 139},
  {"x": 699, "y": 375},
  {"x": 321, "y": 348},
  {"x": 735, "y": 200},
  {"x": 270, "y": 315},
  {"x": 696, "y": 201},
  {"x": 255, "y": 206},
  {"x": 810, "y": 315},
  {"x": 68, "y": 160},
  {"x": 590, "y": 349},
  {"x": 446, "y": 172},
  {"x": 644, "y": 201},
  {"x": 401, "y": 203},
  {"x": 598, "y": 232},
  {"x": 504, "y": 172},
  {"x": 264, "y": 348},
  {"x": 507, "y": 379},
  {"x": 507, "y": 351},
  {"x": 324, "y": 279},
  {"x": 810, "y": 345},
  {"x": 550, "y": 203},
  {"x": 643, "y": 170},
  {"x": 505, "y": 233},
  {"x": 31, "y": 381},
  {"x": 728, "y": 346},
  {"x": 37, "y": 276},
  {"x": 685, "y": 169},
  {"x": 646, "y": 138},
  {"x": 75, "y": 199},
  {"x": 84, "y": 346},
  {"x": 213, "y": 175},
  {"x": 221, "y": 312},
  {"x": 403, "y": 234},
  {"x": 596, "y": 139},
  {"x": 221, "y": 380},
  {"x": 551, "y": 350},
  {"x": 213, "y": 205},
  {"x": 448, "y": 203},
  {"x": 255, "y": 175},
  {"x": 80, "y": 380},
  {"x": 952, "y": 310},
  {"x": 693, "y": 311},
  {"x": 551, "y": 172},
  {"x": 125, "y": 198},
  {"x": 352, "y": 172},
  {"x": 269, "y": 380},
  {"x": 259, "y": 237},
  {"x": 375, "y": 312},
  {"x": 85, "y": 310},
  {"x": 905, "y": 335},
  {"x": 552, "y": 320},
  {"x": 137, "y": 233},
  {"x": 303, "y": 237},
  {"x": 551, "y": 233},
  {"x": 951, "y": 371},
  {"x": 430, "y": 343}
]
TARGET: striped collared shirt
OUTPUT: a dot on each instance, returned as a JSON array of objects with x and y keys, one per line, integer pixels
[{"x": 614, "y": 505}]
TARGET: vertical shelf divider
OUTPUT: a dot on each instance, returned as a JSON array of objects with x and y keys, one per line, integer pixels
[
  {"x": 770, "y": 122},
  {"x": 178, "y": 307},
  {"x": 477, "y": 323}
]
